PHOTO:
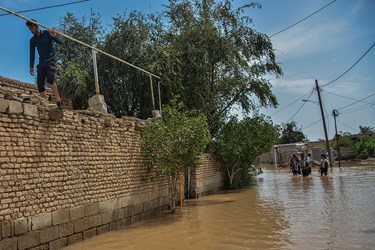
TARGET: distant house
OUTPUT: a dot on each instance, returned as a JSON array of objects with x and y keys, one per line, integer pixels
[{"x": 280, "y": 154}]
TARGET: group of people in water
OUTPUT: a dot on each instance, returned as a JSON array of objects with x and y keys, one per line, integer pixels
[{"x": 304, "y": 164}]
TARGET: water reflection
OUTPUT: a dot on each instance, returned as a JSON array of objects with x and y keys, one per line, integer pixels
[{"x": 282, "y": 212}]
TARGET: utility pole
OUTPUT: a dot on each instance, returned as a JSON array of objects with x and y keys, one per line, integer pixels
[
  {"x": 335, "y": 114},
  {"x": 324, "y": 122}
]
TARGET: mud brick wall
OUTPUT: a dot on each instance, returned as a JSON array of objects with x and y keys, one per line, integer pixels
[
  {"x": 207, "y": 178},
  {"x": 24, "y": 88},
  {"x": 68, "y": 180}
]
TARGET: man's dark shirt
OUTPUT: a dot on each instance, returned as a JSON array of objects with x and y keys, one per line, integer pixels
[{"x": 45, "y": 47}]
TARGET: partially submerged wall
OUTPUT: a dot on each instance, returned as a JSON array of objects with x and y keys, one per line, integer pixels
[
  {"x": 68, "y": 180},
  {"x": 207, "y": 178}
]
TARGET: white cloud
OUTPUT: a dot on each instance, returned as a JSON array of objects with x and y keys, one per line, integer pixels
[
  {"x": 310, "y": 39},
  {"x": 293, "y": 86}
]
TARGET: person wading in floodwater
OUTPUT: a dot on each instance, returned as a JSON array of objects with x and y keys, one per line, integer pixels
[
  {"x": 294, "y": 164},
  {"x": 46, "y": 69},
  {"x": 308, "y": 163},
  {"x": 303, "y": 166},
  {"x": 323, "y": 165}
]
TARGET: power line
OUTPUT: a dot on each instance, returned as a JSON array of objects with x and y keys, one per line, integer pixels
[
  {"x": 290, "y": 104},
  {"x": 356, "y": 130},
  {"x": 356, "y": 102},
  {"x": 300, "y": 107},
  {"x": 350, "y": 67},
  {"x": 366, "y": 106},
  {"x": 47, "y": 7},
  {"x": 347, "y": 97},
  {"x": 338, "y": 109},
  {"x": 301, "y": 20}
]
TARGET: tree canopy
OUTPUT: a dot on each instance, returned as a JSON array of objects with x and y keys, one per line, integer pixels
[
  {"x": 291, "y": 134},
  {"x": 174, "y": 143},
  {"x": 205, "y": 51},
  {"x": 238, "y": 144}
]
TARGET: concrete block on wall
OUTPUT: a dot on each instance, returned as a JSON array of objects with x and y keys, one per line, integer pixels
[
  {"x": 89, "y": 233},
  {"x": 81, "y": 225},
  {"x": 125, "y": 201},
  {"x": 118, "y": 214},
  {"x": 28, "y": 240},
  {"x": 41, "y": 221},
  {"x": 103, "y": 229},
  {"x": 15, "y": 107},
  {"x": 77, "y": 213},
  {"x": 105, "y": 206},
  {"x": 95, "y": 221},
  {"x": 9, "y": 244},
  {"x": 107, "y": 217},
  {"x": 135, "y": 199},
  {"x": 21, "y": 226},
  {"x": 30, "y": 110},
  {"x": 145, "y": 197},
  {"x": 7, "y": 229},
  {"x": 60, "y": 216},
  {"x": 4, "y": 104},
  {"x": 49, "y": 234},
  {"x": 66, "y": 229},
  {"x": 92, "y": 209},
  {"x": 58, "y": 244},
  {"x": 74, "y": 238},
  {"x": 129, "y": 211}
]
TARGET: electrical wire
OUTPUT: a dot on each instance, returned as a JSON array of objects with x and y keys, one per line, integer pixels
[
  {"x": 350, "y": 67},
  {"x": 356, "y": 102},
  {"x": 366, "y": 106},
  {"x": 290, "y": 104},
  {"x": 47, "y": 7},
  {"x": 300, "y": 107},
  {"x": 301, "y": 20},
  {"x": 356, "y": 130},
  {"x": 316, "y": 121},
  {"x": 344, "y": 96},
  {"x": 370, "y": 105}
]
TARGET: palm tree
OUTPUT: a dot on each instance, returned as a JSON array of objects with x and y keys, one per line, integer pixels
[{"x": 366, "y": 130}]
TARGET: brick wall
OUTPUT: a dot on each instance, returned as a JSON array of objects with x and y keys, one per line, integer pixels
[
  {"x": 24, "y": 88},
  {"x": 67, "y": 180},
  {"x": 207, "y": 178}
]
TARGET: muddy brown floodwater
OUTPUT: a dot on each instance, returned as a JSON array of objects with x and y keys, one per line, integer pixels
[{"x": 280, "y": 212}]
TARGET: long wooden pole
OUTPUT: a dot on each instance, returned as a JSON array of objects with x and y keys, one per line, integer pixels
[
  {"x": 80, "y": 42},
  {"x": 324, "y": 123}
]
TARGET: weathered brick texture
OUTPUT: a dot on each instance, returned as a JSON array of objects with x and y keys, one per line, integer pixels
[
  {"x": 207, "y": 178},
  {"x": 67, "y": 180}
]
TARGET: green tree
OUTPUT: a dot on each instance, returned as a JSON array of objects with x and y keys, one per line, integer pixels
[
  {"x": 174, "y": 144},
  {"x": 364, "y": 147},
  {"x": 291, "y": 134},
  {"x": 219, "y": 62},
  {"x": 366, "y": 130},
  {"x": 135, "y": 38},
  {"x": 76, "y": 76},
  {"x": 238, "y": 144},
  {"x": 205, "y": 51}
]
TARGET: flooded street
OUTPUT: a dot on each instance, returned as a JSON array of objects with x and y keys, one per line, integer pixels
[{"x": 281, "y": 212}]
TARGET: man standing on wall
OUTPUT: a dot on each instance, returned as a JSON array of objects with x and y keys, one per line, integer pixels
[{"x": 46, "y": 69}]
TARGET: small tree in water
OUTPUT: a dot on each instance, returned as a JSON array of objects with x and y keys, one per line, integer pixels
[
  {"x": 174, "y": 144},
  {"x": 239, "y": 143}
]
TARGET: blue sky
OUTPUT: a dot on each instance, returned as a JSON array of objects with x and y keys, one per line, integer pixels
[{"x": 322, "y": 47}]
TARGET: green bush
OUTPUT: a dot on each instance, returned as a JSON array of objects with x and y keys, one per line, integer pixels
[{"x": 364, "y": 147}]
